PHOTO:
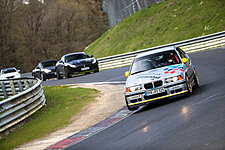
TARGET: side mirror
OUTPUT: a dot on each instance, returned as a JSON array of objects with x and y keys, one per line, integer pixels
[
  {"x": 127, "y": 74},
  {"x": 92, "y": 56},
  {"x": 184, "y": 60}
]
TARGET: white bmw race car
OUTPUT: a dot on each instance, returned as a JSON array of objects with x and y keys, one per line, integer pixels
[{"x": 159, "y": 74}]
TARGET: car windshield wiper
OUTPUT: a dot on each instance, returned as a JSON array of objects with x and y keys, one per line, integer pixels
[{"x": 139, "y": 71}]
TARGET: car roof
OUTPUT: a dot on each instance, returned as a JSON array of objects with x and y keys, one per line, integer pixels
[
  {"x": 8, "y": 68},
  {"x": 156, "y": 51},
  {"x": 75, "y": 53}
]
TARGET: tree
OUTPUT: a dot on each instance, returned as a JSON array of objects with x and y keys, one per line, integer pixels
[{"x": 38, "y": 31}]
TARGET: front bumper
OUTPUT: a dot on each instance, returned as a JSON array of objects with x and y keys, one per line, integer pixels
[
  {"x": 83, "y": 68},
  {"x": 142, "y": 97},
  {"x": 50, "y": 75}
]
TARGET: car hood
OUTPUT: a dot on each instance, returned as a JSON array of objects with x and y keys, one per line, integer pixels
[
  {"x": 81, "y": 61},
  {"x": 154, "y": 74},
  {"x": 52, "y": 68}
]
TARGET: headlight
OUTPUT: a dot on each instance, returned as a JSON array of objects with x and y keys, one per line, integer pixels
[
  {"x": 46, "y": 70},
  {"x": 94, "y": 61},
  {"x": 73, "y": 66},
  {"x": 133, "y": 88},
  {"x": 174, "y": 79}
]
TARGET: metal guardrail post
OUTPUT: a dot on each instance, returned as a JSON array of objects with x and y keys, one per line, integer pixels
[
  {"x": 20, "y": 85},
  {"x": 26, "y": 84},
  {"x": 3, "y": 90},
  {"x": 12, "y": 87}
]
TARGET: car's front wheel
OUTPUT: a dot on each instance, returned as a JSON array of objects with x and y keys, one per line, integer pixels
[
  {"x": 58, "y": 76},
  {"x": 67, "y": 74},
  {"x": 43, "y": 77},
  {"x": 196, "y": 79},
  {"x": 189, "y": 86},
  {"x": 96, "y": 70}
]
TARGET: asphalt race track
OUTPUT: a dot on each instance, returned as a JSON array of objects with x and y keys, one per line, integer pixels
[
  {"x": 195, "y": 122},
  {"x": 113, "y": 75}
]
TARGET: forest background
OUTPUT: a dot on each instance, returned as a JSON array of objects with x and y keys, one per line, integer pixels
[{"x": 38, "y": 31}]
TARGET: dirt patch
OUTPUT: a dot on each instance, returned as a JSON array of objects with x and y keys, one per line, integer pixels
[{"x": 108, "y": 101}]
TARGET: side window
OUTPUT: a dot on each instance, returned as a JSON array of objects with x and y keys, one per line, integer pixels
[{"x": 181, "y": 52}]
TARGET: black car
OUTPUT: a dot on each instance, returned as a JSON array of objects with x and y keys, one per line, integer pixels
[
  {"x": 45, "y": 70},
  {"x": 74, "y": 63}
]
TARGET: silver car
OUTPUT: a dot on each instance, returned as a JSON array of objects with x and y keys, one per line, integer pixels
[{"x": 157, "y": 75}]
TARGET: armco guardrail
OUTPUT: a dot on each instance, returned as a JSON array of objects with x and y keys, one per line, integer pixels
[
  {"x": 191, "y": 45},
  {"x": 23, "y": 97}
]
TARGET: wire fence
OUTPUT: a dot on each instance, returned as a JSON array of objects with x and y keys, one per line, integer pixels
[{"x": 118, "y": 10}]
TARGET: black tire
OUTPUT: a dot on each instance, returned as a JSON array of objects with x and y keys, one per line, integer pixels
[
  {"x": 189, "y": 86},
  {"x": 67, "y": 75},
  {"x": 131, "y": 108},
  {"x": 43, "y": 77},
  {"x": 96, "y": 70},
  {"x": 58, "y": 76},
  {"x": 196, "y": 80}
]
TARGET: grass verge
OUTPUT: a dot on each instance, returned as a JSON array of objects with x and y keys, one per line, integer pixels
[
  {"x": 166, "y": 22},
  {"x": 61, "y": 104}
]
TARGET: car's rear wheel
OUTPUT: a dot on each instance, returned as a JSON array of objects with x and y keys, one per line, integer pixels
[
  {"x": 196, "y": 80},
  {"x": 189, "y": 86},
  {"x": 96, "y": 70}
]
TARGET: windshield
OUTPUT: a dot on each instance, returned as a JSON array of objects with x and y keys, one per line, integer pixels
[
  {"x": 48, "y": 63},
  {"x": 154, "y": 61},
  {"x": 75, "y": 57},
  {"x": 9, "y": 70}
]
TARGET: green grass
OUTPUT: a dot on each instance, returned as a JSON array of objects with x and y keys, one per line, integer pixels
[
  {"x": 166, "y": 22},
  {"x": 61, "y": 104}
]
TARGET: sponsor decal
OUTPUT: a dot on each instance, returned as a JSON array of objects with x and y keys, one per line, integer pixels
[
  {"x": 173, "y": 68},
  {"x": 148, "y": 77}
]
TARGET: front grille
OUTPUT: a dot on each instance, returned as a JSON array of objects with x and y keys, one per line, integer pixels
[
  {"x": 148, "y": 86},
  {"x": 155, "y": 95},
  {"x": 158, "y": 83},
  {"x": 82, "y": 66},
  {"x": 153, "y": 84},
  {"x": 52, "y": 70},
  {"x": 10, "y": 77}
]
